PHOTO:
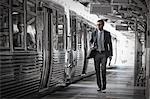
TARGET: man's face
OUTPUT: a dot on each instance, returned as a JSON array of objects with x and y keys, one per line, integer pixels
[
  {"x": 20, "y": 27},
  {"x": 100, "y": 25}
]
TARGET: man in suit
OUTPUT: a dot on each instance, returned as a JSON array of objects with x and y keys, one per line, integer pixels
[
  {"x": 101, "y": 40},
  {"x": 18, "y": 37}
]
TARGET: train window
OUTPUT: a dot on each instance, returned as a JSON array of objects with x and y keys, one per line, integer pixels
[
  {"x": 18, "y": 29},
  {"x": 60, "y": 32},
  {"x": 79, "y": 26},
  {"x": 54, "y": 30},
  {"x": 31, "y": 25},
  {"x": 74, "y": 33},
  {"x": 31, "y": 32},
  {"x": 4, "y": 27},
  {"x": 66, "y": 32},
  {"x": 24, "y": 24},
  {"x": 18, "y": 24}
]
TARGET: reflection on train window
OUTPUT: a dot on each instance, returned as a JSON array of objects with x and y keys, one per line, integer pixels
[
  {"x": 18, "y": 30},
  {"x": 60, "y": 32},
  {"x": 24, "y": 31},
  {"x": 31, "y": 25},
  {"x": 4, "y": 27}
]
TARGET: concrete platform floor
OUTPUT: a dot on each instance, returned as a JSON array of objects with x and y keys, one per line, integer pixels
[{"x": 119, "y": 86}]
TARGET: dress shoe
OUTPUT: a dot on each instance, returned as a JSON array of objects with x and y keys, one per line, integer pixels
[
  {"x": 99, "y": 89},
  {"x": 103, "y": 88},
  {"x": 103, "y": 91}
]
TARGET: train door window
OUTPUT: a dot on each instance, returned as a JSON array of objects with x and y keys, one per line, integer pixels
[
  {"x": 18, "y": 24},
  {"x": 79, "y": 34},
  {"x": 74, "y": 32},
  {"x": 31, "y": 25},
  {"x": 66, "y": 32},
  {"x": 4, "y": 25},
  {"x": 54, "y": 30},
  {"x": 89, "y": 33},
  {"x": 60, "y": 31}
]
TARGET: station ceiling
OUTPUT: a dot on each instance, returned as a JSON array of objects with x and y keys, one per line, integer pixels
[
  {"x": 125, "y": 9},
  {"x": 124, "y": 12}
]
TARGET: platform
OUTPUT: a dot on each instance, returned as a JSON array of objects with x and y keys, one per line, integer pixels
[{"x": 119, "y": 86}]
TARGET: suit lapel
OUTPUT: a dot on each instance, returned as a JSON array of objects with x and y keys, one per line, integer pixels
[
  {"x": 95, "y": 36},
  {"x": 105, "y": 36}
]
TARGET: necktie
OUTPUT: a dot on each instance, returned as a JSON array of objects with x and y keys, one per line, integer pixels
[{"x": 99, "y": 42}]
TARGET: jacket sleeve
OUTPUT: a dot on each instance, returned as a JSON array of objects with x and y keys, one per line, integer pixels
[
  {"x": 92, "y": 39},
  {"x": 110, "y": 46}
]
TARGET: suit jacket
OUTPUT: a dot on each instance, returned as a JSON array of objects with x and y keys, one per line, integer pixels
[{"x": 107, "y": 42}]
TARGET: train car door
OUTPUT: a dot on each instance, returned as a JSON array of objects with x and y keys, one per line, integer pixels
[
  {"x": 80, "y": 46},
  {"x": 46, "y": 49},
  {"x": 72, "y": 56}
]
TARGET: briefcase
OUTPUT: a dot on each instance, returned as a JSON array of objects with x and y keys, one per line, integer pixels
[{"x": 91, "y": 53}]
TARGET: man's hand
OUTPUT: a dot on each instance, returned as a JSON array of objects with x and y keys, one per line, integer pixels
[
  {"x": 91, "y": 45},
  {"x": 110, "y": 57}
]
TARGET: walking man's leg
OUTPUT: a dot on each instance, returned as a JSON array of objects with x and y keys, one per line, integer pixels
[
  {"x": 97, "y": 69},
  {"x": 103, "y": 68}
]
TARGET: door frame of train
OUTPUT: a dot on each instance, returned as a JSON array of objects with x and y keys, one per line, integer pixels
[
  {"x": 47, "y": 49},
  {"x": 85, "y": 48}
]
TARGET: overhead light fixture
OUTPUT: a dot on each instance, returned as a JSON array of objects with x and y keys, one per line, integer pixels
[
  {"x": 121, "y": 1},
  {"x": 14, "y": 13},
  {"x": 121, "y": 28}
]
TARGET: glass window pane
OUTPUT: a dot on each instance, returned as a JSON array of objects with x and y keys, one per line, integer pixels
[
  {"x": 74, "y": 33},
  {"x": 18, "y": 23},
  {"x": 31, "y": 32},
  {"x": 79, "y": 32},
  {"x": 18, "y": 29},
  {"x": 60, "y": 32},
  {"x": 4, "y": 26},
  {"x": 54, "y": 29}
]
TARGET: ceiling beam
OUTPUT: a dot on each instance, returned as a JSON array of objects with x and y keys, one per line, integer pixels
[{"x": 112, "y": 17}]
